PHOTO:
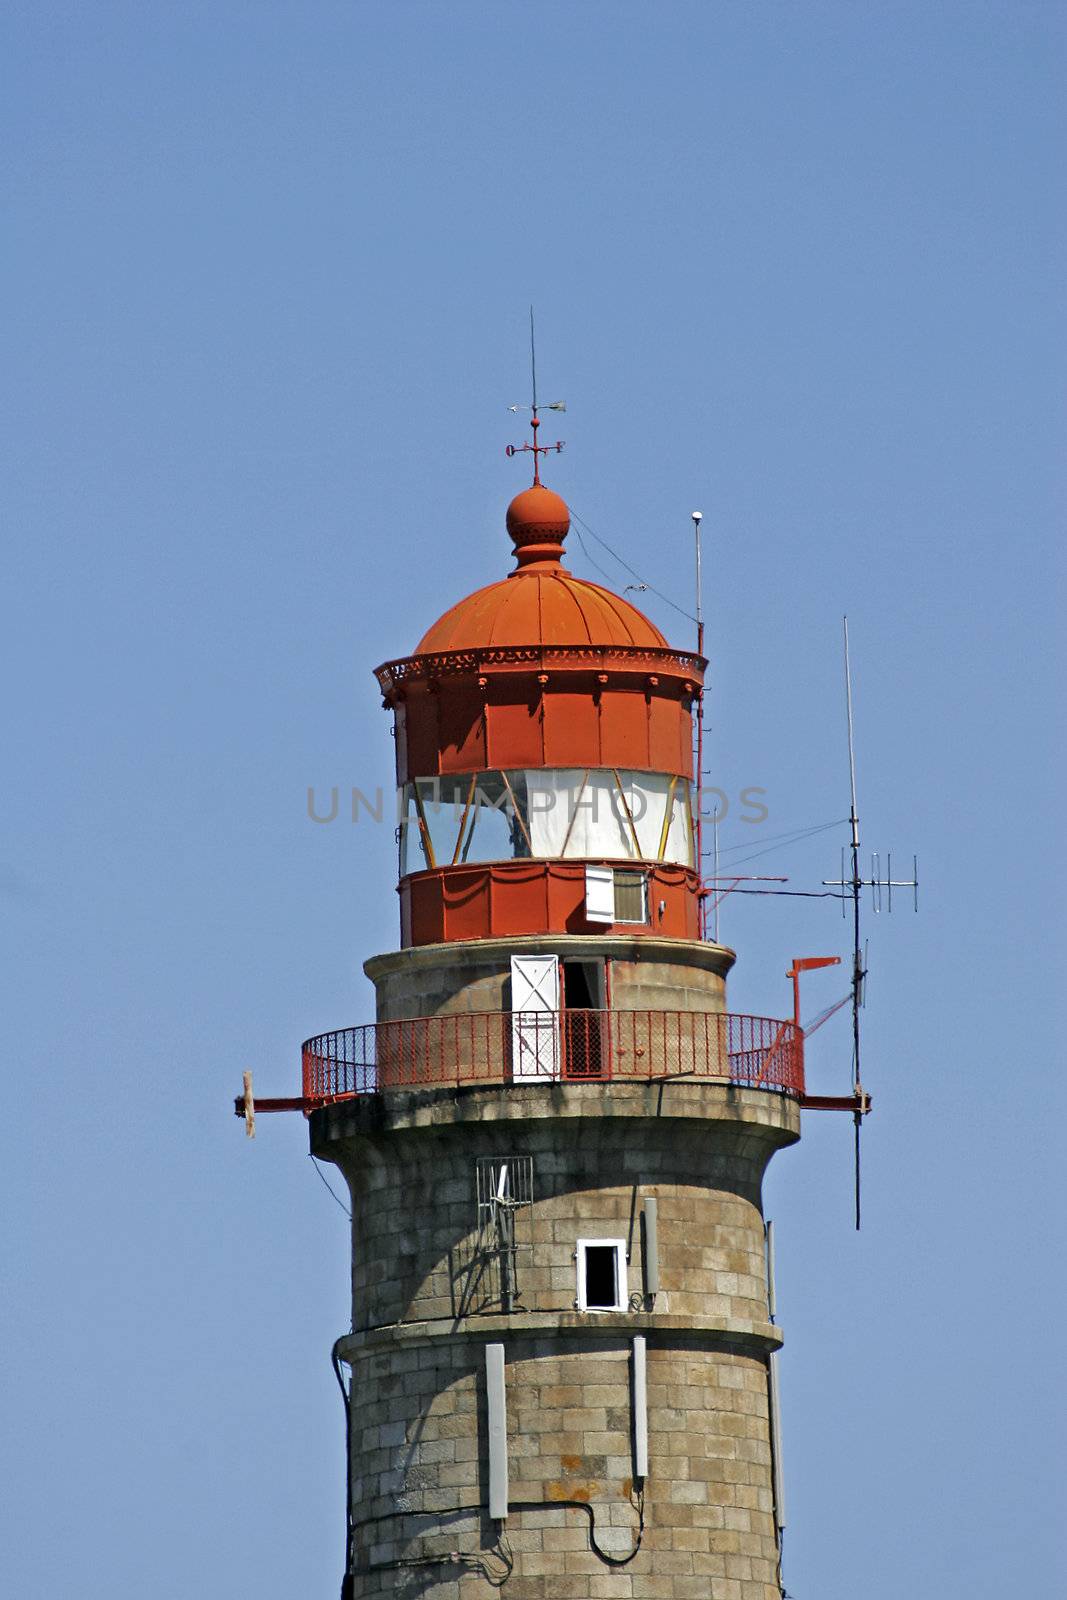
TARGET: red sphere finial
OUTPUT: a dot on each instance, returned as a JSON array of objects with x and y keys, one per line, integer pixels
[{"x": 538, "y": 522}]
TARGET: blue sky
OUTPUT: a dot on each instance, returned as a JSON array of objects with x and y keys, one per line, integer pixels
[{"x": 267, "y": 276}]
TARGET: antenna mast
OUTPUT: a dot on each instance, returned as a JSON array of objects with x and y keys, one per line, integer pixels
[
  {"x": 698, "y": 517},
  {"x": 856, "y": 885},
  {"x": 535, "y": 449},
  {"x": 851, "y": 888}
]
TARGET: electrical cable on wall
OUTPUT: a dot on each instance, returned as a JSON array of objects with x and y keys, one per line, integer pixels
[
  {"x": 329, "y": 1188},
  {"x": 455, "y": 1556},
  {"x": 347, "y": 1401}
]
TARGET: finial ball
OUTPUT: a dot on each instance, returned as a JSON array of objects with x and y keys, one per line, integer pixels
[{"x": 538, "y": 522}]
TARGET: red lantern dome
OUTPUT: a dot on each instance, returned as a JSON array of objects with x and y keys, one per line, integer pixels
[{"x": 541, "y": 602}]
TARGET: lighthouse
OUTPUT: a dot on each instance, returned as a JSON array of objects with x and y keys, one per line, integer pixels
[{"x": 559, "y": 1376}]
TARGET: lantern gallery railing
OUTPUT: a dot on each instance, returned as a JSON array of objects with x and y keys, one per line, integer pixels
[{"x": 516, "y": 1047}]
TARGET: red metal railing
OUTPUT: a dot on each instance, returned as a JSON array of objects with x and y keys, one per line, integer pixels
[{"x": 515, "y": 1047}]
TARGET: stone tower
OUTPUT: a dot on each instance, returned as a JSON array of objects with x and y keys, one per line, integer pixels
[{"x": 555, "y": 1133}]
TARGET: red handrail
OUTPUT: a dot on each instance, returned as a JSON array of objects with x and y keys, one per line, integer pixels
[{"x": 514, "y": 1047}]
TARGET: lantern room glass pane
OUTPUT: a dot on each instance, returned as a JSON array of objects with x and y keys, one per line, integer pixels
[{"x": 567, "y": 813}]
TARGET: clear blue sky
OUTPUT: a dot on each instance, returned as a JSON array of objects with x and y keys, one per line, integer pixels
[{"x": 267, "y": 276}]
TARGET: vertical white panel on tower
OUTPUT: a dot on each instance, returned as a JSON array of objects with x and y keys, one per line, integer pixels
[
  {"x": 498, "y": 1430},
  {"x": 773, "y": 1400},
  {"x": 640, "y": 1407},
  {"x": 535, "y": 1017},
  {"x": 651, "y": 1246},
  {"x": 776, "y": 1439}
]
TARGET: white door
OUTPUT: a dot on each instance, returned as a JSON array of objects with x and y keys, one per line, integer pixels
[{"x": 535, "y": 1017}]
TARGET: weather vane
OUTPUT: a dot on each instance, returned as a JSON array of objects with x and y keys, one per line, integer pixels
[{"x": 535, "y": 449}]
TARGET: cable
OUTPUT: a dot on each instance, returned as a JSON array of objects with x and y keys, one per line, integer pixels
[
  {"x": 346, "y": 1398},
  {"x": 329, "y": 1189},
  {"x": 470, "y": 1561},
  {"x": 631, "y": 570},
  {"x": 593, "y": 563},
  {"x": 475, "y": 1562},
  {"x": 583, "y": 1505},
  {"x": 794, "y": 894},
  {"x": 478, "y": 1561},
  {"x": 770, "y": 848},
  {"x": 793, "y": 834}
]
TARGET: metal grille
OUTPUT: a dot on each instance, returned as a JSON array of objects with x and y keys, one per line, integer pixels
[
  {"x": 503, "y": 1180},
  {"x": 505, "y": 1191},
  {"x": 479, "y": 1048},
  {"x": 586, "y": 1044}
]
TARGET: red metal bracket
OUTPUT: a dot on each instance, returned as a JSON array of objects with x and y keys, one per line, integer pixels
[
  {"x": 295, "y": 1104},
  {"x": 858, "y": 1104},
  {"x": 806, "y": 964}
]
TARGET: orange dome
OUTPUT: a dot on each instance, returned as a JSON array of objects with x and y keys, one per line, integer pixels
[
  {"x": 535, "y": 607},
  {"x": 540, "y": 603}
]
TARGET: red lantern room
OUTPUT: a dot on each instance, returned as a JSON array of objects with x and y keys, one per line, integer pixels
[{"x": 544, "y": 758}]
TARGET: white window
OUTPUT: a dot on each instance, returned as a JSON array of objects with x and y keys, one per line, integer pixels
[
  {"x": 607, "y": 813},
  {"x": 601, "y": 1274},
  {"x": 631, "y": 895}
]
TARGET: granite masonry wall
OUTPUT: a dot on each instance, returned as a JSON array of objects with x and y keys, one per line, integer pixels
[
  {"x": 434, "y": 980},
  {"x": 428, "y": 1298}
]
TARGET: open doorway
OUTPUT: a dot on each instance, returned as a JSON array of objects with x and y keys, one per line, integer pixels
[{"x": 585, "y": 1037}]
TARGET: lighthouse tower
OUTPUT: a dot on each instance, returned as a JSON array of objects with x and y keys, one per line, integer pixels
[{"x": 558, "y": 1375}]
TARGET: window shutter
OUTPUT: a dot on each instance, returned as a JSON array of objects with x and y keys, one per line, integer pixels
[{"x": 599, "y": 894}]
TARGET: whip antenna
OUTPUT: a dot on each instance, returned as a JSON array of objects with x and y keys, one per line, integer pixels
[{"x": 535, "y": 449}]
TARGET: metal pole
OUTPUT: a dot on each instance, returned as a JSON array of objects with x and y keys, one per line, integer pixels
[
  {"x": 698, "y": 517},
  {"x": 718, "y": 897},
  {"x": 773, "y": 1397},
  {"x": 857, "y": 948}
]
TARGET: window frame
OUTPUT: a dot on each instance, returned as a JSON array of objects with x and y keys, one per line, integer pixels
[
  {"x": 494, "y": 814},
  {"x": 630, "y": 872},
  {"x": 621, "y": 1286}
]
